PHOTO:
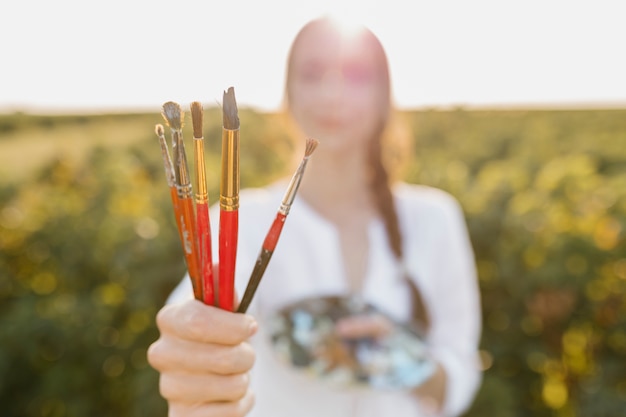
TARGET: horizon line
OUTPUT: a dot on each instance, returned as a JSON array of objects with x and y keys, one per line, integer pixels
[{"x": 145, "y": 109}]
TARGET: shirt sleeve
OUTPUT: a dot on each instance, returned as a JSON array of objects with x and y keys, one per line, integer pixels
[{"x": 455, "y": 309}]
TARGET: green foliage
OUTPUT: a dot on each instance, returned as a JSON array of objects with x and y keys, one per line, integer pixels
[
  {"x": 545, "y": 198},
  {"x": 89, "y": 252},
  {"x": 81, "y": 288}
]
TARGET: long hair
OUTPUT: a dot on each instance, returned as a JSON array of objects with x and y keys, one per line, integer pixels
[{"x": 388, "y": 135}]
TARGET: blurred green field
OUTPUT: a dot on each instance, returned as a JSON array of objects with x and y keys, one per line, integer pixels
[{"x": 88, "y": 252}]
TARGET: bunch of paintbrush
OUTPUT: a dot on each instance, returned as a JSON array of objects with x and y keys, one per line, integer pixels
[{"x": 193, "y": 221}]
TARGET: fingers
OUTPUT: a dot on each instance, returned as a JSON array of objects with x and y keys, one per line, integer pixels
[
  {"x": 374, "y": 325},
  {"x": 194, "y": 321},
  {"x": 204, "y": 358},
  {"x": 179, "y": 355},
  {"x": 202, "y": 388},
  {"x": 234, "y": 409}
]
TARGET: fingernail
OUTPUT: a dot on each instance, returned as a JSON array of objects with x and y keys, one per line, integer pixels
[{"x": 252, "y": 328}]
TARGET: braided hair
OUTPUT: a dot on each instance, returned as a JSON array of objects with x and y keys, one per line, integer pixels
[{"x": 380, "y": 188}]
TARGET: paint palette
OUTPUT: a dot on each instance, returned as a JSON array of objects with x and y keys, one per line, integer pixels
[{"x": 303, "y": 335}]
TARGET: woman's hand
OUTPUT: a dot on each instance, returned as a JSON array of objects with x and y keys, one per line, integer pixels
[
  {"x": 431, "y": 393},
  {"x": 204, "y": 359},
  {"x": 361, "y": 326}
]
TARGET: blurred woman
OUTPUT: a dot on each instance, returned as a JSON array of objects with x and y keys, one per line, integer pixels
[{"x": 354, "y": 237}]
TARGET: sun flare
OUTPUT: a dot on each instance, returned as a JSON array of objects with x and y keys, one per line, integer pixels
[{"x": 348, "y": 18}]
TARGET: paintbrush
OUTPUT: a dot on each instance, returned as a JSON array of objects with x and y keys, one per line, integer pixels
[
  {"x": 271, "y": 239},
  {"x": 174, "y": 116},
  {"x": 229, "y": 202},
  {"x": 202, "y": 208}
]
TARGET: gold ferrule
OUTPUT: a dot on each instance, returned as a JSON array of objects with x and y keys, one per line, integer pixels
[
  {"x": 292, "y": 189},
  {"x": 229, "y": 184},
  {"x": 202, "y": 195}
]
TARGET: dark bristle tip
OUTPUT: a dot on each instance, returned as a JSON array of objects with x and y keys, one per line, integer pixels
[
  {"x": 196, "y": 119},
  {"x": 229, "y": 110}
]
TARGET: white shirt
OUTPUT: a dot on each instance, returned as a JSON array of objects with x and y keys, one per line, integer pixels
[{"x": 307, "y": 262}]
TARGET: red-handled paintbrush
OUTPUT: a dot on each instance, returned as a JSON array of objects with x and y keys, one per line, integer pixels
[
  {"x": 229, "y": 202},
  {"x": 271, "y": 239},
  {"x": 202, "y": 208}
]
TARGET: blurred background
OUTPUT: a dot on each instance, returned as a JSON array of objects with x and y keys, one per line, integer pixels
[{"x": 517, "y": 108}]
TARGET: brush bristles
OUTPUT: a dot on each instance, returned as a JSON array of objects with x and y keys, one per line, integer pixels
[
  {"x": 311, "y": 144},
  {"x": 173, "y": 114},
  {"x": 229, "y": 109},
  {"x": 159, "y": 130},
  {"x": 196, "y": 119}
]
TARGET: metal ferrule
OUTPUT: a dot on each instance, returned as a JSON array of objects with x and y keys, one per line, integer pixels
[
  {"x": 229, "y": 184},
  {"x": 183, "y": 182},
  {"x": 167, "y": 164},
  {"x": 292, "y": 189},
  {"x": 202, "y": 194}
]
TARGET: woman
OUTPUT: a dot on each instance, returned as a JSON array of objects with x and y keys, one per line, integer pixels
[{"x": 401, "y": 248}]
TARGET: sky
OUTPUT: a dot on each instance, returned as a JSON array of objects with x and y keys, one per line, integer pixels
[{"x": 120, "y": 55}]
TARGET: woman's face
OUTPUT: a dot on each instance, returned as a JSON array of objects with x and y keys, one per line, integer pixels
[{"x": 337, "y": 87}]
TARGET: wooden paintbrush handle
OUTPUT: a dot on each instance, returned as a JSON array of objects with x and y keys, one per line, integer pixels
[
  {"x": 229, "y": 228},
  {"x": 255, "y": 279},
  {"x": 271, "y": 239},
  {"x": 176, "y": 206},
  {"x": 205, "y": 253},
  {"x": 188, "y": 229}
]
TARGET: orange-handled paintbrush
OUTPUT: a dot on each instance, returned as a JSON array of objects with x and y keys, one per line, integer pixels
[
  {"x": 173, "y": 113},
  {"x": 169, "y": 176}
]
